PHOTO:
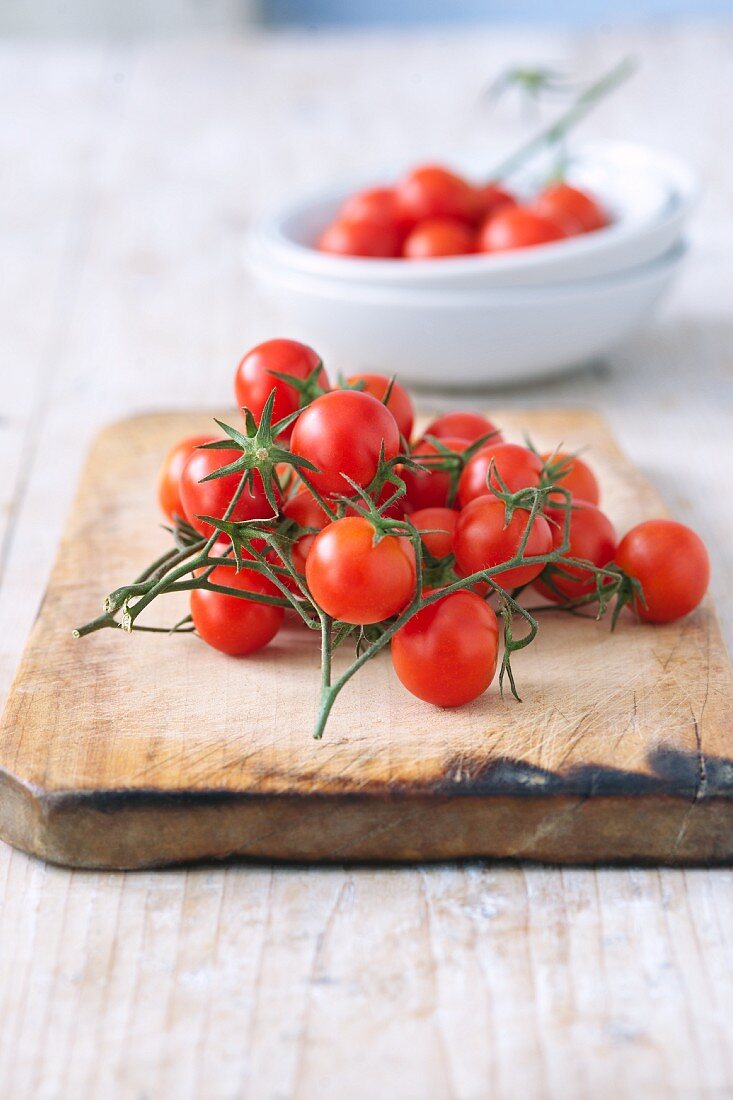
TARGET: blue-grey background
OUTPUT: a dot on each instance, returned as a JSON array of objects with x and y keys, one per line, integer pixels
[{"x": 119, "y": 18}]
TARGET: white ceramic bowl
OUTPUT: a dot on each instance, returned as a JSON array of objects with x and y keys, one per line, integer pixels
[
  {"x": 464, "y": 337},
  {"x": 650, "y": 196}
]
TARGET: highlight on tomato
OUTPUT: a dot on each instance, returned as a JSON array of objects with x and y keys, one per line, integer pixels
[
  {"x": 574, "y": 209},
  {"x": 484, "y": 539},
  {"x": 343, "y": 433},
  {"x": 446, "y": 654},
  {"x": 469, "y": 426},
  {"x": 212, "y": 498},
  {"x": 358, "y": 577},
  {"x": 256, "y": 377},
  {"x": 509, "y": 463},
  {"x": 233, "y": 625},
  {"x": 672, "y": 565}
]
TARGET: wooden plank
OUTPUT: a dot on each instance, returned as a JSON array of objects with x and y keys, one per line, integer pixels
[{"x": 113, "y": 753}]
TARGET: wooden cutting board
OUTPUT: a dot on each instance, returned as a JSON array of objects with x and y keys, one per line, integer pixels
[{"x": 120, "y": 751}]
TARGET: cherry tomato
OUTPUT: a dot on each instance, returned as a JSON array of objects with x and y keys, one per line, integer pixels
[
  {"x": 212, "y": 498},
  {"x": 484, "y": 539},
  {"x": 517, "y": 227},
  {"x": 574, "y": 475},
  {"x": 361, "y": 238},
  {"x": 253, "y": 382},
  {"x": 356, "y": 580},
  {"x": 592, "y": 537},
  {"x": 430, "y": 488},
  {"x": 446, "y": 654},
  {"x": 399, "y": 404},
  {"x": 518, "y": 467},
  {"x": 304, "y": 510},
  {"x": 376, "y": 205},
  {"x": 441, "y": 523},
  {"x": 493, "y": 197},
  {"x": 341, "y": 433},
  {"x": 575, "y": 210},
  {"x": 431, "y": 191},
  {"x": 435, "y": 237},
  {"x": 463, "y": 425},
  {"x": 671, "y": 563},
  {"x": 169, "y": 478},
  {"x": 231, "y": 624}
]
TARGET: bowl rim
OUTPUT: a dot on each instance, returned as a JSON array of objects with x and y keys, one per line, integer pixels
[
  {"x": 460, "y": 297},
  {"x": 267, "y": 234}
]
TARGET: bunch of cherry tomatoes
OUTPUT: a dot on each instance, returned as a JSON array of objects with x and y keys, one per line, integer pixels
[
  {"x": 324, "y": 503},
  {"x": 433, "y": 212}
]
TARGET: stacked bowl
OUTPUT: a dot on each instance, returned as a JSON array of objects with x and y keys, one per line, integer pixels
[{"x": 481, "y": 320}]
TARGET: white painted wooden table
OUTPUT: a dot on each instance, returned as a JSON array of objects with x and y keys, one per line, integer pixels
[{"x": 128, "y": 176}]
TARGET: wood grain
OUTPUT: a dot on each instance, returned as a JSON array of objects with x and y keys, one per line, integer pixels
[
  {"x": 130, "y": 173},
  {"x": 123, "y": 753}
]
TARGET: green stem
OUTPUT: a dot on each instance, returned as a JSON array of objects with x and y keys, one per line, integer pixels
[{"x": 555, "y": 132}]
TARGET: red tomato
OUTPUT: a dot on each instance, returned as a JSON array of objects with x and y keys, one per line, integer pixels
[
  {"x": 360, "y": 238},
  {"x": 232, "y": 624},
  {"x": 341, "y": 433},
  {"x": 169, "y": 495},
  {"x": 463, "y": 425},
  {"x": 431, "y": 191},
  {"x": 253, "y": 382},
  {"x": 356, "y": 580},
  {"x": 492, "y": 197},
  {"x": 431, "y": 487},
  {"x": 376, "y": 205},
  {"x": 575, "y": 210},
  {"x": 574, "y": 475},
  {"x": 399, "y": 404},
  {"x": 483, "y": 539},
  {"x": 517, "y": 227},
  {"x": 441, "y": 522},
  {"x": 212, "y": 498},
  {"x": 671, "y": 563},
  {"x": 435, "y": 237},
  {"x": 304, "y": 510},
  {"x": 518, "y": 467},
  {"x": 447, "y": 653},
  {"x": 592, "y": 537}
]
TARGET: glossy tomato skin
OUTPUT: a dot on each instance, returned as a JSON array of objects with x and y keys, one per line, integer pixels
[
  {"x": 575, "y": 476},
  {"x": 370, "y": 240},
  {"x": 434, "y": 238},
  {"x": 575, "y": 210},
  {"x": 429, "y": 488},
  {"x": 517, "y": 466},
  {"x": 493, "y": 197},
  {"x": 356, "y": 581},
  {"x": 375, "y": 204},
  {"x": 463, "y": 425},
  {"x": 592, "y": 537},
  {"x": 253, "y": 382},
  {"x": 341, "y": 433},
  {"x": 399, "y": 404},
  {"x": 233, "y": 625},
  {"x": 447, "y": 653},
  {"x": 517, "y": 227},
  {"x": 169, "y": 478},
  {"x": 672, "y": 564},
  {"x": 441, "y": 523},
  {"x": 212, "y": 498},
  {"x": 431, "y": 191},
  {"x": 483, "y": 539}
]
